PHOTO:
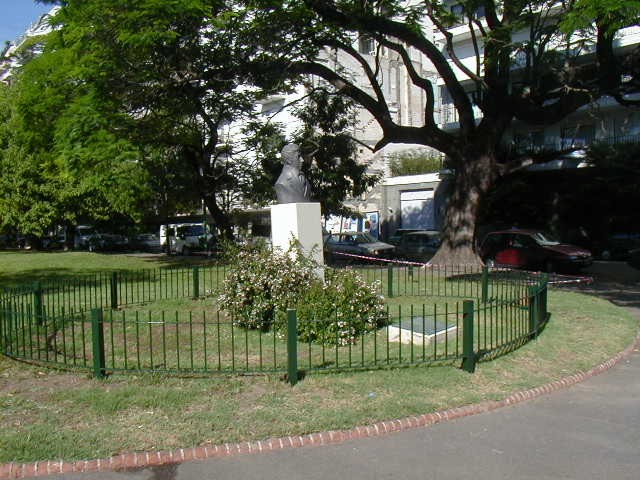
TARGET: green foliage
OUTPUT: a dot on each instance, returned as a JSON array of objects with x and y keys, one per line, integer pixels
[
  {"x": 329, "y": 151},
  {"x": 261, "y": 285},
  {"x": 261, "y": 282},
  {"x": 614, "y": 14},
  {"x": 414, "y": 163},
  {"x": 340, "y": 310}
]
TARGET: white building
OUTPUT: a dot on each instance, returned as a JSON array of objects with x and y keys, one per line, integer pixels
[
  {"x": 10, "y": 58},
  {"x": 603, "y": 120}
]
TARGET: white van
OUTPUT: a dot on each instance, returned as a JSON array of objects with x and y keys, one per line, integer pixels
[{"x": 185, "y": 238}]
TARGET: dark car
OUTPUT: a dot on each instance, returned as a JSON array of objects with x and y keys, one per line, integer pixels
[
  {"x": 620, "y": 245},
  {"x": 532, "y": 250},
  {"x": 108, "y": 242},
  {"x": 355, "y": 243},
  {"x": 147, "y": 242},
  {"x": 419, "y": 246},
  {"x": 397, "y": 236}
]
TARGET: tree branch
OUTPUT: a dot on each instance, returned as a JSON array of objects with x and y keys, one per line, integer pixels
[
  {"x": 371, "y": 75},
  {"x": 377, "y": 108},
  {"x": 416, "y": 78},
  {"x": 446, "y": 33},
  {"x": 373, "y": 24},
  {"x": 570, "y": 101}
]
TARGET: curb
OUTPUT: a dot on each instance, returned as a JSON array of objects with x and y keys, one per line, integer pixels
[{"x": 140, "y": 460}]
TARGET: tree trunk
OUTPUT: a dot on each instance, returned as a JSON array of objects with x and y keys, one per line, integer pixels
[
  {"x": 472, "y": 179},
  {"x": 219, "y": 217}
]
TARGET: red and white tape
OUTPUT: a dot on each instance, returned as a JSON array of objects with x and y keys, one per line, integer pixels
[{"x": 554, "y": 279}]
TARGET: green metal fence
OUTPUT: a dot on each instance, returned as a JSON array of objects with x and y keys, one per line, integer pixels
[{"x": 433, "y": 315}]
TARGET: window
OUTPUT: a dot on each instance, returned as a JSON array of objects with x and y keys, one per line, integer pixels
[
  {"x": 366, "y": 45},
  {"x": 458, "y": 11},
  {"x": 272, "y": 107},
  {"x": 445, "y": 96},
  {"x": 479, "y": 13}
]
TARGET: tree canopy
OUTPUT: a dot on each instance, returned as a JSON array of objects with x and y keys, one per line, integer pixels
[
  {"x": 156, "y": 83},
  {"x": 141, "y": 104},
  {"x": 533, "y": 61}
]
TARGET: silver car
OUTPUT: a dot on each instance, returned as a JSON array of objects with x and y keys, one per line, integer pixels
[{"x": 355, "y": 243}]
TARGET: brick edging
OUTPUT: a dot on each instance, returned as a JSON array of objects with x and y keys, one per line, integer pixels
[{"x": 156, "y": 458}]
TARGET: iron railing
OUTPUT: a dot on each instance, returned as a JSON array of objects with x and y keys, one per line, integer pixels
[{"x": 101, "y": 323}]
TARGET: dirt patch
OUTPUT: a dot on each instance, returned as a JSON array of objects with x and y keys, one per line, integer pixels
[{"x": 36, "y": 383}]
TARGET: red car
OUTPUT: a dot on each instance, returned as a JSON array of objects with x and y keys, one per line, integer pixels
[{"x": 532, "y": 250}]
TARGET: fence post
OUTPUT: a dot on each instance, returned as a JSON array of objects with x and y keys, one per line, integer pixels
[
  {"x": 485, "y": 284},
  {"x": 114, "y": 290},
  {"x": 468, "y": 355},
  {"x": 543, "y": 298},
  {"x": 38, "y": 304},
  {"x": 196, "y": 282},
  {"x": 292, "y": 346},
  {"x": 97, "y": 338},
  {"x": 533, "y": 312},
  {"x": 3, "y": 317},
  {"x": 389, "y": 281}
]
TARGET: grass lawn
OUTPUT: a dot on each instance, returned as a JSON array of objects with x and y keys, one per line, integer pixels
[
  {"x": 48, "y": 414},
  {"x": 26, "y": 267}
]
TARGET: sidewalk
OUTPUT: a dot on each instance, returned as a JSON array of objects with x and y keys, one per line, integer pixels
[{"x": 588, "y": 431}]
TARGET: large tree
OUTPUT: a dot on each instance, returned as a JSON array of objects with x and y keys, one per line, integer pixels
[
  {"x": 59, "y": 162},
  {"x": 170, "y": 70},
  {"x": 552, "y": 80},
  {"x": 176, "y": 78}
]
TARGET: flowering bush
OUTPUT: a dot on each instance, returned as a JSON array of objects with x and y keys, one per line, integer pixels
[
  {"x": 262, "y": 282},
  {"x": 340, "y": 310}
]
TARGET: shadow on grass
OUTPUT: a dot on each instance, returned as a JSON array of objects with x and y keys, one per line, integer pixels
[
  {"x": 80, "y": 266},
  {"x": 614, "y": 281}
]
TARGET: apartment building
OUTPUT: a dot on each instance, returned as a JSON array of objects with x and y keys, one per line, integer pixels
[{"x": 602, "y": 120}]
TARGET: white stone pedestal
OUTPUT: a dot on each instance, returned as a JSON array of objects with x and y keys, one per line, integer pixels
[{"x": 299, "y": 221}]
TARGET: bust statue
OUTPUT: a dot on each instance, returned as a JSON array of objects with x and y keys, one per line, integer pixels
[{"x": 292, "y": 186}]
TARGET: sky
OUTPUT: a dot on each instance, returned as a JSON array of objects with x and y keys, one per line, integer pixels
[{"x": 17, "y": 15}]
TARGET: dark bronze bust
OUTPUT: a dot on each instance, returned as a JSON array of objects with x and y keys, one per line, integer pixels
[{"x": 292, "y": 186}]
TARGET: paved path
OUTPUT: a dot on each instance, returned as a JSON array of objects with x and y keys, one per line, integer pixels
[{"x": 588, "y": 431}]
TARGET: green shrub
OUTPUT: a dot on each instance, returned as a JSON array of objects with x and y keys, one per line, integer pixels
[
  {"x": 261, "y": 282},
  {"x": 414, "y": 163},
  {"x": 339, "y": 310}
]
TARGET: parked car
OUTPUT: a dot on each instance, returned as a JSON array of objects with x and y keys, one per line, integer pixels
[
  {"x": 620, "y": 245},
  {"x": 109, "y": 242},
  {"x": 532, "y": 250},
  {"x": 355, "y": 243},
  {"x": 418, "y": 246},
  {"x": 147, "y": 242},
  {"x": 83, "y": 236},
  {"x": 192, "y": 238},
  {"x": 397, "y": 236},
  {"x": 53, "y": 242}
]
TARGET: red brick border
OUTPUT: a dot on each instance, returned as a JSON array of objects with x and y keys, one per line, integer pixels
[{"x": 146, "y": 459}]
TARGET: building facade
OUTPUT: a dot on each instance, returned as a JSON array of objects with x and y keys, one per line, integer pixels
[{"x": 602, "y": 120}]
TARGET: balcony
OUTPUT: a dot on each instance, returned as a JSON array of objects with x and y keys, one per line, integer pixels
[
  {"x": 448, "y": 119},
  {"x": 560, "y": 144}
]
